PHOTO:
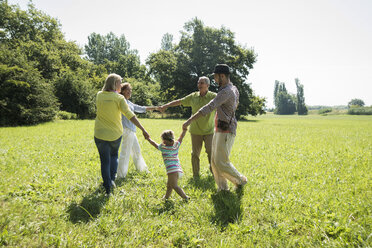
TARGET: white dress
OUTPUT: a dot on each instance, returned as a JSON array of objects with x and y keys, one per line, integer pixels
[{"x": 130, "y": 146}]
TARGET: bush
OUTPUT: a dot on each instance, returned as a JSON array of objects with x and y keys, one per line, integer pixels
[
  {"x": 64, "y": 115},
  {"x": 324, "y": 110},
  {"x": 360, "y": 111},
  {"x": 76, "y": 94}
]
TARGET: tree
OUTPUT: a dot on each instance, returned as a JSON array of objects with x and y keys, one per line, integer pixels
[
  {"x": 145, "y": 94},
  {"x": 166, "y": 42},
  {"x": 25, "y": 98},
  {"x": 356, "y": 102},
  {"x": 115, "y": 55},
  {"x": 199, "y": 50},
  {"x": 106, "y": 48},
  {"x": 35, "y": 56},
  {"x": 76, "y": 94},
  {"x": 301, "y": 107},
  {"x": 285, "y": 103},
  {"x": 163, "y": 66},
  {"x": 276, "y": 90}
]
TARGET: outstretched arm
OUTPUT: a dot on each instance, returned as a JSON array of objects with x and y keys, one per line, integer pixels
[
  {"x": 153, "y": 143},
  {"x": 170, "y": 104},
  {"x": 209, "y": 107},
  {"x": 184, "y": 130},
  {"x": 150, "y": 108},
  {"x": 138, "y": 124},
  {"x": 193, "y": 117}
]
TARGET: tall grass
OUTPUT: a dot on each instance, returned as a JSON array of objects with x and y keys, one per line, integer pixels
[{"x": 309, "y": 184}]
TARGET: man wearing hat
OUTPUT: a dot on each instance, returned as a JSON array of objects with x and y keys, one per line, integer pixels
[
  {"x": 225, "y": 102},
  {"x": 202, "y": 129}
]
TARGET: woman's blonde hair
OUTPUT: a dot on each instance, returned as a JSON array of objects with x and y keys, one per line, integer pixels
[
  {"x": 110, "y": 82},
  {"x": 167, "y": 135}
]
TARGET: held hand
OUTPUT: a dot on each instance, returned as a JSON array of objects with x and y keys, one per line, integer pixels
[
  {"x": 145, "y": 134},
  {"x": 184, "y": 128},
  {"x": 185, "y": 125},
  {"x": 162, "y": 108}
]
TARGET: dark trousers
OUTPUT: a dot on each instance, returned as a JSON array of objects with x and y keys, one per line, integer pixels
[{"x": 108, "y": 154}]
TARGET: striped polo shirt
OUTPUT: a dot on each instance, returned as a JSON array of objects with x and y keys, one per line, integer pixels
[{"x": 170, "y": 157}]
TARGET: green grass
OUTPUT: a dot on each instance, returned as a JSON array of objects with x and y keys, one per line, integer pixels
[{"x": 309, "y": 184}]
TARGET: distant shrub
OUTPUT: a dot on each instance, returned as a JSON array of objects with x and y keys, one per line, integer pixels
[
  {"x": 25, "y": 97},
  {"x": 324, "y": 110},
  {"x": 360, "y": 111},
  {"x": 64, "y": 115},
  {"x": 75, "y": 94}
]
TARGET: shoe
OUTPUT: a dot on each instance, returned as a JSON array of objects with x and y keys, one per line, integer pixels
[
  {"x": 113, "y": 184},
  {"x": 244, "y": 180}
]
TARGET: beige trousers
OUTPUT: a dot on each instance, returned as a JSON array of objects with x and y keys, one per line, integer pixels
[
  {"x": 197, "y": 143},
  {"x": 222, "y": 168}
]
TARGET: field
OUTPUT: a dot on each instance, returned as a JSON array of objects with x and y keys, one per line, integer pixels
[{"x": 309, "y": 184}]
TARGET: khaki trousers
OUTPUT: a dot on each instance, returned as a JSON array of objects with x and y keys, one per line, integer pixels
[
  {"x": 197, "y": 143},
  {"x": 222, "y": 168}
]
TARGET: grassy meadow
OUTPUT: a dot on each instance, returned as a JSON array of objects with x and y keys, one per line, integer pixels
[{"x": 309, "y": 185}]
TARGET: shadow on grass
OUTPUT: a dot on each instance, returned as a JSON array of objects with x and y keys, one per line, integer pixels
[
  {"x": 165, "y": 207},
  {"x": 203, "y": 183},
  {"x": 89, "y": 208},
  {"x": 227, "y": 206},
  {"x": 133, "y": 177},
  {"x": 120, "y": 181},
  {"x": 249, "y": 120}
]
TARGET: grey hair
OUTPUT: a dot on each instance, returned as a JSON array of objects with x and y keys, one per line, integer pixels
[
  {"x": 205, "y": 80},
  {"x": 110, "y": 82}
]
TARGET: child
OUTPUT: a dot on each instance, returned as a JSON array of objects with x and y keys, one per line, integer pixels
[{"x": 169, "y": 149}]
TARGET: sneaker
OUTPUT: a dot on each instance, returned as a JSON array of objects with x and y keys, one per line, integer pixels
[
  {"x": 244, "y": 180},
  {"x": 113, "y": 184}
]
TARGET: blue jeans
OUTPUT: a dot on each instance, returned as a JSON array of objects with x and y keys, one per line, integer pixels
[{"x": 108, "y": 154}]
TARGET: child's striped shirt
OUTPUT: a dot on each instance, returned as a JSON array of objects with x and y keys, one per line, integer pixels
[{"x": 170, "y": 157}]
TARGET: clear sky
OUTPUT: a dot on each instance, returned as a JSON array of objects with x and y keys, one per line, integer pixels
[{"x": 327, "y": 44}]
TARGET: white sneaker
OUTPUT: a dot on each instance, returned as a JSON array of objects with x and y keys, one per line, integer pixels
[
  {"x": 244, "y": 180},
  {"x": 113, "y": 184}
]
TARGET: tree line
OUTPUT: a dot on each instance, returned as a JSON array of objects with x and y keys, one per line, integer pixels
[
  {"x": 357, "y": 107},
  {"x": 42, "y": 74},
  {"x": 288, "y": 104}
]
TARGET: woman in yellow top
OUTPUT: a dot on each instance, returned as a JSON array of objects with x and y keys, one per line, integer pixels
[{"x": 108, "y": 128}]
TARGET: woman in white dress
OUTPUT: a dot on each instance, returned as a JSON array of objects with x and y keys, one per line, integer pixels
[{"x": 130, "y": 146}]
